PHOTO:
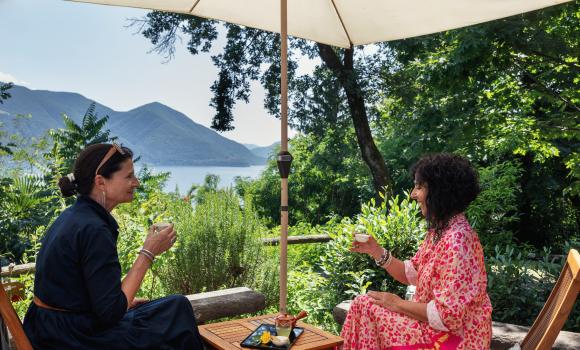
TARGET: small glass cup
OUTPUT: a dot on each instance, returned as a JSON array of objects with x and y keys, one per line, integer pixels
[
  {"x": 284, "y": 325},
  {"x": 360, "y": 234},
  {"x": 160, "y": 226}
]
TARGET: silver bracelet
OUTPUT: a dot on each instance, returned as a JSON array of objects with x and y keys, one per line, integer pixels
[
  {"x": 147, "y": 254},
  {"x": 389, "y": 261},
  {"x": 385, "y": 257}
]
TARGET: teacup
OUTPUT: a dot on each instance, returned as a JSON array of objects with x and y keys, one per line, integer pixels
[
  {"x": 284, "y": 324},
  {"x": 361, "y": 237},
  {"x": 160, "y": 226},
  {"x": 280, "y": 340}
]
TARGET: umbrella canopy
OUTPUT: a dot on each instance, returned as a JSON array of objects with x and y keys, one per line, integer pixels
[
  {"x": 341, "y": 23},
  {"x": 345, "y": 23}
]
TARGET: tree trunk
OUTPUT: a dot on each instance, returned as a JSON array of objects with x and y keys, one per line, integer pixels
[{"x": 369, "y": 151}]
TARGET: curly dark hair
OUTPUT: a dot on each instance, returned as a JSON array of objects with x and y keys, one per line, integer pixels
[{"x": 452, "y": 184}]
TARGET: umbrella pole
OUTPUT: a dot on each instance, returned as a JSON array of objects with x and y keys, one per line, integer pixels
[{"x": 284, "y": 149}]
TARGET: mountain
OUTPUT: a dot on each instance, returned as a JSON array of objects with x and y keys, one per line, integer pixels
[
  {"x": 159, "y": 134},
  {"x": 266, "y": 151},
  {"x": 263, "y": 151},
  {"x": 250, "y": 146}
]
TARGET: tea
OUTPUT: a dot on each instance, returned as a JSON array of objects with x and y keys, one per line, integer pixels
[
  {"x": 283, "y": 330},
  {"x": 160, "y": 226}
]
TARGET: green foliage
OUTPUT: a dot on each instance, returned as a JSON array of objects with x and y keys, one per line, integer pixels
[
  {"x": 4, "y": 94},
  {"x": 28, "y": 279},
  {"x": 27, "y": 203},
  {"x": 519, "y": 287},
  {"x": 327, "y": 178},
  {"x": 24, "y": 155},
  {"x": 71, "y": 140},
  {"x": 494, "y": 214},
  {"x": 501, "y": 91},
  {"x": 547, "y": 216},
  {"x": 337, "y": 274},
  {"x": 219, "y": 246},
  {"x": 335, "y": 94},
  {"x": 210, "y": 185}
]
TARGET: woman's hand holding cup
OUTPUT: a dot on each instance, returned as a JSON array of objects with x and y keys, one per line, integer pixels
[
  {"x": 161, "y": 237},
  {"x": 366, "y": 244}
]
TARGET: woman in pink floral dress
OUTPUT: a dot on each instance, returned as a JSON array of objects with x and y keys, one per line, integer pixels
[{"x": 450, "y": 308}]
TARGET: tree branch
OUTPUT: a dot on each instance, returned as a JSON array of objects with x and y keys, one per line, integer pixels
[{"x": 545, "y": 88}]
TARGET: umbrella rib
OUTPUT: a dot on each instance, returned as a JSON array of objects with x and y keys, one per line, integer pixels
[
  {"x": 194, "y": 5},
  {"x": 342, "y": 23}
]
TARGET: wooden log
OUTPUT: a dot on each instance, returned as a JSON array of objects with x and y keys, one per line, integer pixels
[
  {"x": 17, "y": 270},
  {"x": 298, "y": 239},
  {"x": 504, "y": 336},
  {"x": 226, "y": 303}
]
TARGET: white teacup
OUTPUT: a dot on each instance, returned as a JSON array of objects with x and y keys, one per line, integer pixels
[
  {"x": 361, "y": 237},
  {"x": 280, "y": 340},
  {"x": 160, "y": 226}
]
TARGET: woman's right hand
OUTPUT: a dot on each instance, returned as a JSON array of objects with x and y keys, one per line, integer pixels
[
  {"x": 158, "y": 242},
  {"x": 370, "y": 247}
]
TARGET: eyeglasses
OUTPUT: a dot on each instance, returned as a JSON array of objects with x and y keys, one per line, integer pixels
[{"x": 114, "y": 148}]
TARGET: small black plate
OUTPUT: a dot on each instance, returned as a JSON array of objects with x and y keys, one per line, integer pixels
[{"x": 253, "y": 340}]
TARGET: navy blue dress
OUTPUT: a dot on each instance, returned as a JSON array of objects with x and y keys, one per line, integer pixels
[{"x": 78, "y": 270}]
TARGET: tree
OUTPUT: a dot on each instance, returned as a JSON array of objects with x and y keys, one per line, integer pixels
[
  {"x": 329, "y": 179},
  {"x": 507, "y": 90},
  {"x": 4, "y": 95},
  {"x": 340, "y": 88},
  {"x": 73, "y": 138},
  {"x": 199, "y": 192}
]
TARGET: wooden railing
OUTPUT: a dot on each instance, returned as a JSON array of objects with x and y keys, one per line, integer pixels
[
  {"x": 17, "y": 270},
  {"x": 298, "y": 239}
]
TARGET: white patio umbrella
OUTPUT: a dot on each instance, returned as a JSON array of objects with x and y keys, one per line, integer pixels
[{"x": 342, "y": 23}]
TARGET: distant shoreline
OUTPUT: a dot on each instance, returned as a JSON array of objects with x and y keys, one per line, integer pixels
[
  {"x": 212, "y": 165},
  {"x": 184, "y": 176}
]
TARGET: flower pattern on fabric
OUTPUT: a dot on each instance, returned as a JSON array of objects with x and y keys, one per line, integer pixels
[
  {"x": 410, "y": 272},
  {"x": 450, "y": 274}
]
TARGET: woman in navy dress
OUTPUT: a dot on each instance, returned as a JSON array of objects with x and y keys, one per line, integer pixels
[{"x": 80, "y": 301}]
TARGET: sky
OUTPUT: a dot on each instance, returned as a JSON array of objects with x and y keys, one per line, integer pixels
[{"x": 84, "y": 48}]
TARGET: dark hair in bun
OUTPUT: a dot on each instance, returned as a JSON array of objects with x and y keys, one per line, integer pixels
[
  {"x": 67, "y": 187},
  {"x": 83, "y": 175}
]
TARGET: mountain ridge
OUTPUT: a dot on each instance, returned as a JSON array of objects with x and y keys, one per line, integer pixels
[{"x": 156, "y": 132}]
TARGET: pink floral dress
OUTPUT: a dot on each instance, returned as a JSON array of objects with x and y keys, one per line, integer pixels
[{"x": 450, "y": 277}]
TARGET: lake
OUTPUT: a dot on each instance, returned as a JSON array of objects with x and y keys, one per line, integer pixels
[{"x": 185, "y": 176}]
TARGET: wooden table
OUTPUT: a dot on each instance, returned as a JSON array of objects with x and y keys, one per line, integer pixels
[{"x": 228, "y": 335}]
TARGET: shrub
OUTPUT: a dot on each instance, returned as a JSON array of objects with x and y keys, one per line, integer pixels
[
  {"x": 494, "y": 214},
  {"x": 219, "y": 247},
  {"x": 28, "y": 202},
  {"x": 519, "y": 287}
]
